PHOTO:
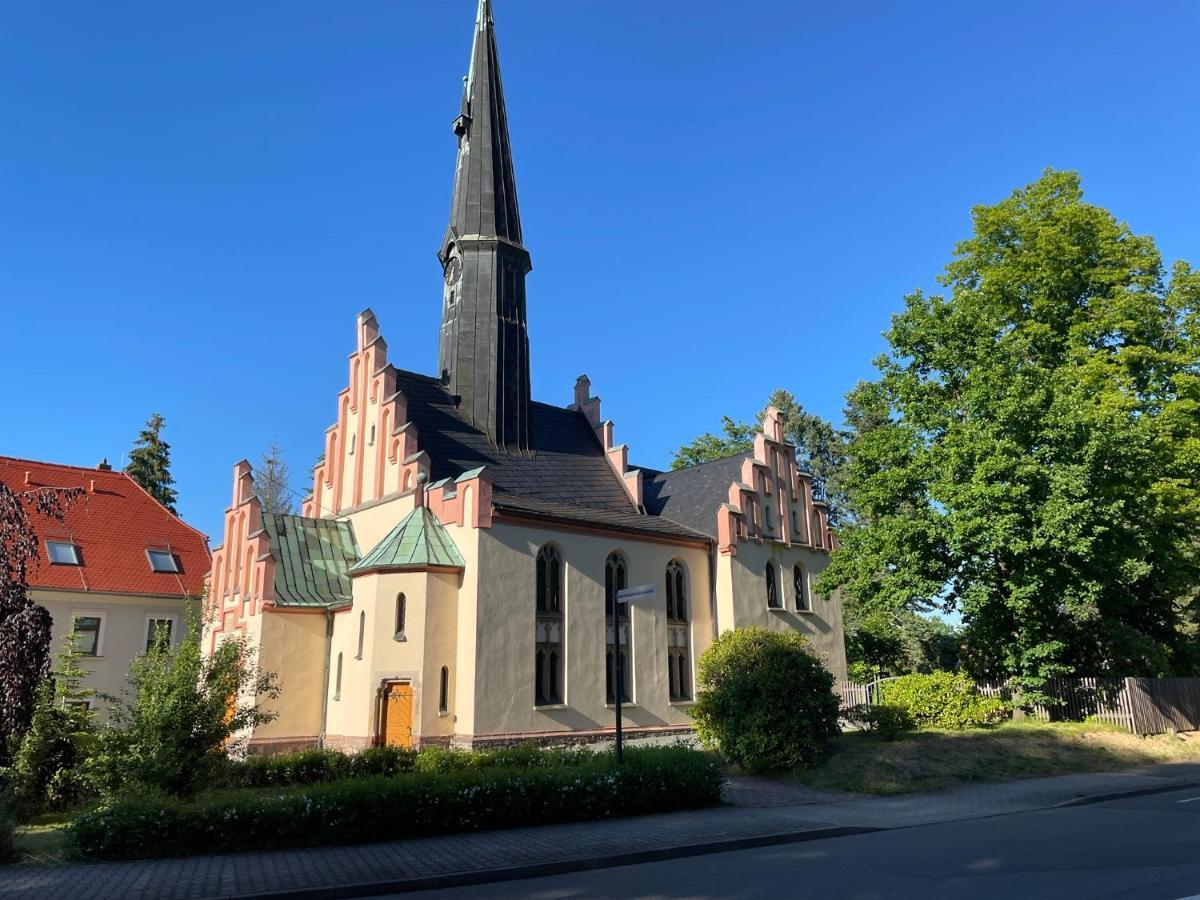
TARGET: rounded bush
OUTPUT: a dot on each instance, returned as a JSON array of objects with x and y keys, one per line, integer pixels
[
  {"x": 886, "y": 721},
  {"x": 943, "y": 700},
  {"x": 766, "y": 702}
]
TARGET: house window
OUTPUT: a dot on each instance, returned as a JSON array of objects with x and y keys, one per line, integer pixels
[
  {"x": 86, "y": 631},
  {"x": 162, "y": 561},
  {"x": 362, "y": 632},
  {"x": 444, "y": 691},
  {"x": 617, "y": 616},
  {"x": 548, "y": 630},
  {"x": 337, "y": 685},
  {"x": 679, "y": 666},
  {"x": 63, "y": 553},
  {"x": 401, "y": 613},
  {"x": 772, "y": 588},
  {"x": 353, "y": 441},
  {"x": 158, "y": 633},
  {"x": 802, "y": 604},
  {"x": 81, "y": 705},
  {"x": 371, "y": 439}
]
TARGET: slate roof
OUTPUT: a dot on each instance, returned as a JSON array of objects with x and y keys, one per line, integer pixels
[
  {"x": 113, "y": 526},
  {"x": 566, "y": 478},
  {"x": 693, "y": 495},
  {"x": 312, "y": 560},
  {"x": 418, "y": 542}
]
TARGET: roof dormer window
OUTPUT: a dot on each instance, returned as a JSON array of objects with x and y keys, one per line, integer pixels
[
  {"x": 63, "y": 553},
  {"x": 162, "y": 561}
]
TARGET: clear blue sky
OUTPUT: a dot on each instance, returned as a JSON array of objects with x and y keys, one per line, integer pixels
[{"x": 197, "y": 198}]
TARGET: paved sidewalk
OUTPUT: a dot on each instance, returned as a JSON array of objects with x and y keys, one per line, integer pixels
[{"x": 771, "y": 812}]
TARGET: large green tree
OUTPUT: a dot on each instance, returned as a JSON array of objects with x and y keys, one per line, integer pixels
[
  {"x": 150, "y": 463},
  {"x": 1033, "y": 455},
  {"x": 820, "y": 448}
]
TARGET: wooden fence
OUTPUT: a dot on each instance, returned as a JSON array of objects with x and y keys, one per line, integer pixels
[{"x": 1139, "y": 705}]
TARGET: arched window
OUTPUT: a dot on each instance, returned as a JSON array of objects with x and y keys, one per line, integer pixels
[
  {"x": 772, "y": 588},
  {"x": 444, "y": 691},
  {"x": 548, "y": 629},
  {"x": 337, "y": 685},
  {"x": 362, "y": 632},
  {"x": 616, "y": 579},
  {"x": 802, "y": 604},
  {"x": 679, "y": 666},
  {"x": 401, "y": 614}
]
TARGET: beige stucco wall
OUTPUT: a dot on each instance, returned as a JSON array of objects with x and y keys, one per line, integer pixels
[
  {"x": 125, "y": 620},
  {"x": 742, "y": 598},
  {"x": 506, "y": 615},
  {"x": 292, "y": 645}
]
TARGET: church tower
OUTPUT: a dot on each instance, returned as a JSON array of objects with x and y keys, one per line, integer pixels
[{"x": 484, "y": 349}]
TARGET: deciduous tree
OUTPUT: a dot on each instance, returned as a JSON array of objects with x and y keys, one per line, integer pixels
[
  {"x": 1034, "y": 455},
  {"x": 24, "y": 625}
]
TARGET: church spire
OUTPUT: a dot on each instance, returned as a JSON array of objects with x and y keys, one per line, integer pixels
[{"x": 484, "y": 350}]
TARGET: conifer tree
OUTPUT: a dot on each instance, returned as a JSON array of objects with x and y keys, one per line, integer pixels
[
  {"x": 150, "y": 463},
  {"x": 272, "y": 482}
]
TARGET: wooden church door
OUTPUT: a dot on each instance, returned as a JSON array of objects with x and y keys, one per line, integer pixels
[{"x": 397, "y": 720}]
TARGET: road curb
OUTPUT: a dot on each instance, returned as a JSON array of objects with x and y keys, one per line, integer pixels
[
  {"x": 1124, "y": 795},
  {"x": 540, "y": 870}
]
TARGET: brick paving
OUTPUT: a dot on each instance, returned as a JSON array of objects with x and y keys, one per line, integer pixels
[{"x": 766, "y": 809}]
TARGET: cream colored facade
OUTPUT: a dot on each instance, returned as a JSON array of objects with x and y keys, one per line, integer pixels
[
  {"x": 125, "y": 622},
  {"x": 476, "y": 619}
]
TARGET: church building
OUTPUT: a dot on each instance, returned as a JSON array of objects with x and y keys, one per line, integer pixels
[{"x": 451, "y": 578}]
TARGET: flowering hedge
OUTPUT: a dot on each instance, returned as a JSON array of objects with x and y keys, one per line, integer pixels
[{"x": 413, "y": 804}]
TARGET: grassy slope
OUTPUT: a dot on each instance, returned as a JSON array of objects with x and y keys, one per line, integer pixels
[{"x": 931, "y": 760}]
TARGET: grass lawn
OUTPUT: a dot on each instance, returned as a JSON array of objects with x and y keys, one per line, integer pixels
[
  {"x": 932, "y": 760},
  {"x": 43, "y": 841}
]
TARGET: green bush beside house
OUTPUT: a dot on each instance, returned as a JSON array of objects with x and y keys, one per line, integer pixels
[{"x": 766, "y": 702}]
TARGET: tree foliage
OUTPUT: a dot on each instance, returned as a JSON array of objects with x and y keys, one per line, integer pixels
[
  {"x": 1034, "y": 447},
  {"x": 271, "y": 480},
  {"x": 150, "y": 463},
  {"x": 820, "y": 448},
  {"x": 183, "y": 712},
  {"x": 46, "y": 769},
  {"x": 24, "y": 625},
  {"x": 766, "y": 702},
  {"x": 883, "y": 643}
]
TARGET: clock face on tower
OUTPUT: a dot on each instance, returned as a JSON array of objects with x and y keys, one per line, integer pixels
[{"x": 453, "y": 270}]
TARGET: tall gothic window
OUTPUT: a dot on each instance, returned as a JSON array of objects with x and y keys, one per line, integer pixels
[
  {"x": 548, "y": 639},
  {"x": 401, "y": 615},
  {"x": 801, "y": 594},
  {"x": 444, "y": 691},
  {"x": 679, "y": 666},
  {"x": 772, "y": 588},
  {"x": 616, "y": 579}
]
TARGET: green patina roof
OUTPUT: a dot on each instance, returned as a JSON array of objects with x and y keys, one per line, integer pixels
[
  {"x": 419, "y": 541},
  {"x": 312, "y": 560}
]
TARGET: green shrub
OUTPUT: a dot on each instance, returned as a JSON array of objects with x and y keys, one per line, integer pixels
[
  {"x": 943, "y": 700},
  {"x": 306, "y": 767},
  {"x": 183, "y": 715},
  {"x": 766, "y": 702},
  {"x": 886, "y": 721},
  {"x": 382, "y": 761},
  {"x": 357, "y": 810},
  {"x": 46, "y": 769}
]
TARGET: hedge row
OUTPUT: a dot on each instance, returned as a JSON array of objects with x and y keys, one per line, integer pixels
[
  {"x": 416, "y": 804},
  {"x": 943, "y": 700},
  {"x": 318, "y": 766}
]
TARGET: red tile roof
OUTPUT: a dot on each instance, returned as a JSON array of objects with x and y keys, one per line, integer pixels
[{"x": 113, "y": 525}]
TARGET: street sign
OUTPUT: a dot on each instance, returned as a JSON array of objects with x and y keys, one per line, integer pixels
[{"x": 636, "y": 595}]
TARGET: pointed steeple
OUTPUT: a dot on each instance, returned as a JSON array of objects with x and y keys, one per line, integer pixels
[
  {"x": 484, "y": 348},
  {"x": 485, "y": 186}
]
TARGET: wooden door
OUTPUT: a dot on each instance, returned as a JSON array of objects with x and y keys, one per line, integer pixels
[{"x": 397, "y": 717}]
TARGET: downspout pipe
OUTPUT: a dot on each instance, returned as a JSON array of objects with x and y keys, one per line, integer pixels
[{"x": 325, "y": 692}]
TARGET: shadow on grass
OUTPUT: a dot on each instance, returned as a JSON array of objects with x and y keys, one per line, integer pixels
[
  {"x": 43, "y": 841},
  {"x": 933, "y": 760}
]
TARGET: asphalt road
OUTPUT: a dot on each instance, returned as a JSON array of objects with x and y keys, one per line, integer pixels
[{"x": 1137, "y": 847}]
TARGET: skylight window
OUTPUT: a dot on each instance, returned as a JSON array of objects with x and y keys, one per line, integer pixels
[
  {"x": 162, "y": 561},
  {"x": 63, "y": 553}
]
